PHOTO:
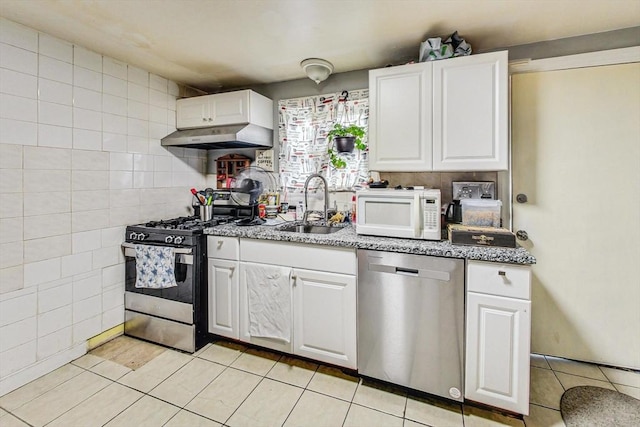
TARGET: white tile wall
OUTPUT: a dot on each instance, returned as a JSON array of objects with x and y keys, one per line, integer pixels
[
  {"x": 14, "y": 58},
  {"x": 87, "y": 286},
  {"x": 54, "y": 136},
  {"x": 54, "y": 343},
  {"x": 54, "y": 320},
  {"x": 18, "y": 132},
  {"x": 56, "y": 92},
  {"x": 18, "y": 35},
  {"x": 55, "y": 48},
  {"x": 80, "y": 158},
  {"x": 54, "y": 295}
]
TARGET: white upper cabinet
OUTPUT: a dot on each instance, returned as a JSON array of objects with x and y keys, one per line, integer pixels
[
  {"x": 224, "y": 109},
  {"x": 470, "y": 113},
  {"x": 400, "y": 118},
  {"x": 447, "y": 115},
  {"x": 193, "y": 112}
]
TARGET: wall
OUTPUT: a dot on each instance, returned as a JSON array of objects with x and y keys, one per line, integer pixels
[{"x": 80, "y": 157}]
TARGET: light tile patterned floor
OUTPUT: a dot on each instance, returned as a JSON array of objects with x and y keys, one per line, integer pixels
[{"x": 128, "y": 382}]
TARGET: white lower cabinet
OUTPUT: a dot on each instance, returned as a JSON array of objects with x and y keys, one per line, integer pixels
[
  {"x": 322, "y": 305},
  {"x": 222, "y": 292},
  {"x": 223, "y": 297},
  {"x": 498, "y": 335},
  {"x": 324, "y": 308}
]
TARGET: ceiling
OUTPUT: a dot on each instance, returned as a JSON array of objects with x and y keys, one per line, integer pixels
[{"x": 215, "y": 44}]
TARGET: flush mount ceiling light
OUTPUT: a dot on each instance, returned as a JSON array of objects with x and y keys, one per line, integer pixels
[{"x": 317, "y": 69}]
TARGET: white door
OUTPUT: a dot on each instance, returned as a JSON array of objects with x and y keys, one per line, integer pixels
[
  {"x": 470, "y": 113},
  {"x": 223, "y": 297},
  {"x": 576, "y": 157},
  {"x": 400, "y": 118},
  {"x": 325, "y": 317},
  {"x": 497, "y": 363},
  {"x": 193, "y": 112}
]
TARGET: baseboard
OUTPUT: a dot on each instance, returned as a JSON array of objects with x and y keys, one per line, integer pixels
[
  {"x": 105, "y": 336},
  {"x": 40, "y": 368}
]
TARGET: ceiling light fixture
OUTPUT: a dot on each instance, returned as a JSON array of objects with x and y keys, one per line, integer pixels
[{"x": 317, "y": 69}]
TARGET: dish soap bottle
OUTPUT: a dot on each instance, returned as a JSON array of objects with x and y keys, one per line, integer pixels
[
  {"x": 299, "y": 211},
  {"x": 353, "y": 209}
]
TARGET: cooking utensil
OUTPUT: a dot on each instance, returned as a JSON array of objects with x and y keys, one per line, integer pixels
[{"x": 199, "y": 196}]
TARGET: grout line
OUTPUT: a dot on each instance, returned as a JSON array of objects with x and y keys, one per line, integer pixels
[{"x": 244, "y": 400}]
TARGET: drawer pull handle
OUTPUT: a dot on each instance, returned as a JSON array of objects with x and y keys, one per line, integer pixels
[{"x": 502, "y": 273}]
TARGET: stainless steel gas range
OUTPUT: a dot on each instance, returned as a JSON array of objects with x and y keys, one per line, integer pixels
[{"x": 175, "y": 316}]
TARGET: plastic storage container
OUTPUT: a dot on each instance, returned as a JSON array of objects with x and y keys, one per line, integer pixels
[{"x": 481, "y": 213}]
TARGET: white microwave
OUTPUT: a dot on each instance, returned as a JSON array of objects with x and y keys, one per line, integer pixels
[{"x": 412, "y": 214}]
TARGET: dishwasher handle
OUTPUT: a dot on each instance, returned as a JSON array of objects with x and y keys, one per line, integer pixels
[{"x": 413, "y": 272}]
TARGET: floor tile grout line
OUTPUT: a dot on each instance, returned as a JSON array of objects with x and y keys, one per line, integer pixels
[
  {"x": 82, "y": 401},
  {"x": 57, "y": 385},
  {"x": 244, "y": 400}
]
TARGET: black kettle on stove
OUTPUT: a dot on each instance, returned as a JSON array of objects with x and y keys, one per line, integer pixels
[{"x": 453, "y": 214}]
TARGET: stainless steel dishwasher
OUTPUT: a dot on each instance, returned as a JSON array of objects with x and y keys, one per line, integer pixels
[{"x": 411, "y": 321}]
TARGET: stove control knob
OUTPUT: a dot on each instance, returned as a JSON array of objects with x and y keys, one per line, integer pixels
[
  {"x": 132, "y": 236},
  {"x": 141, "y": 236},
  {"x": 178, "y": 240},
  {"x": 168, "y": 239}
]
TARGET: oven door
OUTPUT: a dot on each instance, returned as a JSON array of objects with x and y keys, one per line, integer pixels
[{"x": 185, "y": 274}]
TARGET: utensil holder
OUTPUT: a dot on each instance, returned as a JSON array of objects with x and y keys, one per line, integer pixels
[{"x": 206, "y": 212}]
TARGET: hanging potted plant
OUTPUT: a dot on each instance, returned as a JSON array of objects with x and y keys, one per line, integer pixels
[{"x": 345, "y": 138}]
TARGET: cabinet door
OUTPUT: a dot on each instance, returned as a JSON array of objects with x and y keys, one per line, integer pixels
[
  {"x": 470, "y": 113},
  {"x": 245, "y": 326},
  {"x": 230, "y": 108},
  {"x": 400, "y": 118},
  {"x": 223, "y": 297},
  {"x": 193, "y": 112},
  {"x": 324, "y": 314},
  {"x": 498, "y": 343}
]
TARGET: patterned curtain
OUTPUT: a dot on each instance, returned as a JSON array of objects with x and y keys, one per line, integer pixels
[{"x": 303, "y": 127}]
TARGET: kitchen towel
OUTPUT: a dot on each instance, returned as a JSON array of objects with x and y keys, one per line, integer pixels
[
  {"x": 155, "y": 267},
  {"x": 269, "y": 299}
]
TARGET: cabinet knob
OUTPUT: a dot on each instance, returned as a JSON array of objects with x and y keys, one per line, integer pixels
[
  {"x": 502, "y": 273},
  {"x": 522, "y": 235},
  {"x": 521, "y": 198},
  {"x": 210, "y": 119}
]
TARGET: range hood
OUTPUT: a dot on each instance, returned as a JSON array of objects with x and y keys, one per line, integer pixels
[{"x": 246, "y": 135}]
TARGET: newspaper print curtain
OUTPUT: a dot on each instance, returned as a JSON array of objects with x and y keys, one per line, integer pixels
[{"x": 303, "y": 127}]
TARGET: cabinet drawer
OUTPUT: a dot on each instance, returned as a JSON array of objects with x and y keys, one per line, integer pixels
[
  {"x": 499, "y": 279},
  {"x": 299, "y": 255},
  {"x": 223, "y": 247}
]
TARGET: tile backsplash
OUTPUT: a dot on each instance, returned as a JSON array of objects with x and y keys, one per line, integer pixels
[
  {"x": 80, "y": 158},
  {"x": 441, "y": 180}
]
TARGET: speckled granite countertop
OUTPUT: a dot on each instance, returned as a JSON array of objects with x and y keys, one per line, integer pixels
[{"x": 348, "y": 238}]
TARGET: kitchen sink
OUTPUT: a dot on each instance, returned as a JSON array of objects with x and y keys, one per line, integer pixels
[{"x": 310, "y": 229}]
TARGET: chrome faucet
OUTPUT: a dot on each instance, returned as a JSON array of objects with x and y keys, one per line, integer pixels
[{"x": 306, "y": 201}]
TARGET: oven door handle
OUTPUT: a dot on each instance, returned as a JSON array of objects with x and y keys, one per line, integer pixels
[
  {"x": 175, "y": 250},
  {"x": 184, "y": 255}
]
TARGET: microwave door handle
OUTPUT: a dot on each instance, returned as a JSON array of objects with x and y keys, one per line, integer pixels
[{"x": 417, "y": 230}]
